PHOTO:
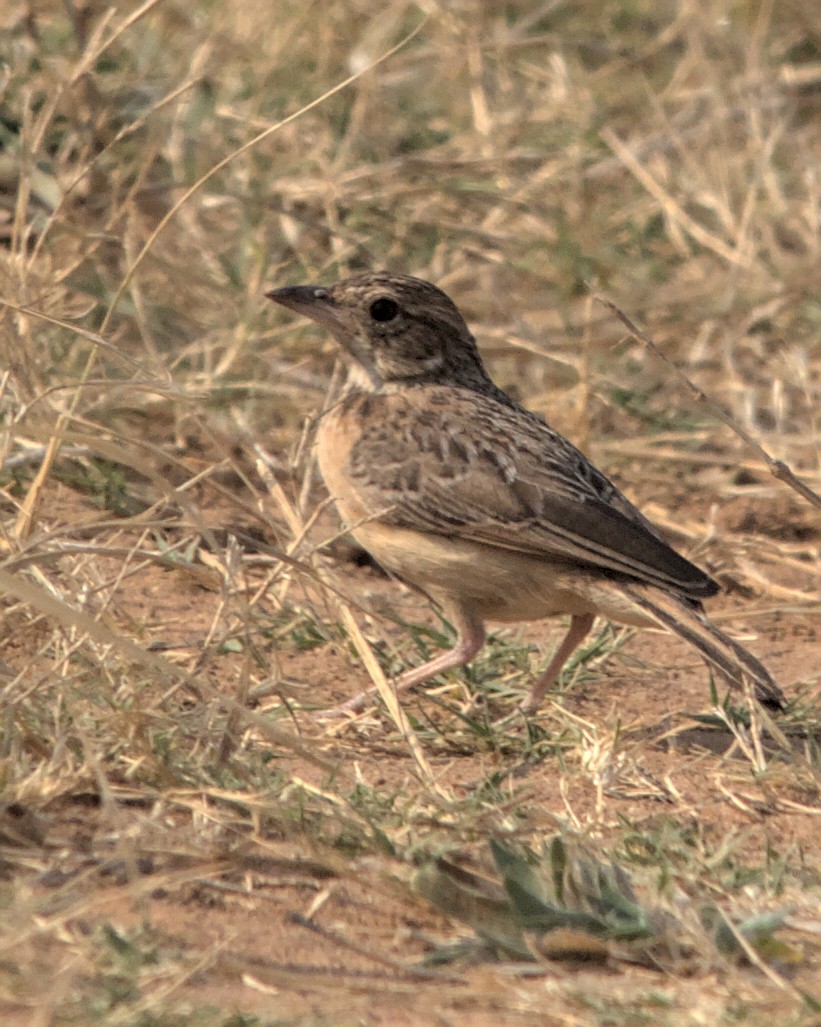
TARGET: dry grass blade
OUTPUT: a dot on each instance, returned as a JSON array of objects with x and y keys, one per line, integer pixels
[
  {"x": 673, "y": 210},
  {"x": 16, "y": 586},
  {"x": 778, "y": 468},
  {"x": 245, "y": 148},
  {"x": 178, "y": 596}
]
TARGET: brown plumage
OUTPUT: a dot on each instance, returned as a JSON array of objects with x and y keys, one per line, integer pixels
[{"x": 458, "y": 490}]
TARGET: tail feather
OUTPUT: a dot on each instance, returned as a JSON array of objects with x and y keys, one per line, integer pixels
[{"x": 729, "y": 658}]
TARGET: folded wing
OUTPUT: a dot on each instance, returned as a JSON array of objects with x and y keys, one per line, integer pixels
[{"x": 487, "y": 470}]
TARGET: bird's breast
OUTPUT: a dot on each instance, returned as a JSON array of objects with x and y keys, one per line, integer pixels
[{"x": 339, "y": 430}]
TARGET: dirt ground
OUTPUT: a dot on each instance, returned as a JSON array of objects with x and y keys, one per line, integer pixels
[
  {"x": 289, "y": 926},
  {"x": 183, "y": 841}
]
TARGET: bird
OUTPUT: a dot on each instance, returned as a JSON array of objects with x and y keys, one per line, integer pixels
[{"x": 459, "y": 491}]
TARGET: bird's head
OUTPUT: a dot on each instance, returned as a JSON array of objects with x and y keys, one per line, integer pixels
[{"x": 399, "y": 329}]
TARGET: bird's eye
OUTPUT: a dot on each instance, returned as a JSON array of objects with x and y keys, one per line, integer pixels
[{"x": 384, "y": 309}]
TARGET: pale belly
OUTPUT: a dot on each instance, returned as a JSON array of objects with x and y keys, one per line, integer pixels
[{"x": 499, "y": 584}]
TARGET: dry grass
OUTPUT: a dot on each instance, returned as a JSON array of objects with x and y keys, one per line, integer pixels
[{"x": 179, "y": 844}]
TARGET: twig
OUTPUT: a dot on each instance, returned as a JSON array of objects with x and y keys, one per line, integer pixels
[
  {"x": 381, "y": 958},
  {"x": 778, "y": 468}
]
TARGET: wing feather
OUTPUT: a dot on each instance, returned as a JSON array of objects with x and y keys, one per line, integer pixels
[{"x": 461, "y": 463}]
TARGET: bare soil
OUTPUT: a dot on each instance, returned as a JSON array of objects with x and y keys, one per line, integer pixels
[{"x": 291, "y": 925}]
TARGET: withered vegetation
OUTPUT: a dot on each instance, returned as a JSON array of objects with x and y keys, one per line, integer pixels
[{"x": 180, "y": 842}]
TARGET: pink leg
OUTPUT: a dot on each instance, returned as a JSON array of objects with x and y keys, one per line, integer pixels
[
  {"x": 580, "y": 624},
  {"x": 470, "y": 637}
]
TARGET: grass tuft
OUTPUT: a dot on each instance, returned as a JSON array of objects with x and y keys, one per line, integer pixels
[{"x": 180, "y": 842}]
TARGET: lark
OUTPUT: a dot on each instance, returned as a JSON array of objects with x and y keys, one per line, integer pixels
[{"x": 457, "y": 490}]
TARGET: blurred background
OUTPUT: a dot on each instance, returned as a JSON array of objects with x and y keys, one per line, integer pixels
[{"x": 665, "y": 154}]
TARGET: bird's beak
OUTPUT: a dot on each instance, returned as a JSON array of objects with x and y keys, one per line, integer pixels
[{"x": 314, "y": 302}]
